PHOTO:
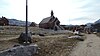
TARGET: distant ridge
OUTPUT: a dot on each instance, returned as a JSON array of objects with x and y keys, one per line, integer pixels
[
  {"x": 98, "y": 21},
  {"x": 18, "y": 22}
]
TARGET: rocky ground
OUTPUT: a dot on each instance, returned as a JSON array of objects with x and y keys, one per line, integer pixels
[
  {"x": 58, "y": 45},
  {"x": 54, "y": 43}
]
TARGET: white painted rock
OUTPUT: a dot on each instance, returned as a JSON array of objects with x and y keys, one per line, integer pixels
[{"x": 76, "y": 32}]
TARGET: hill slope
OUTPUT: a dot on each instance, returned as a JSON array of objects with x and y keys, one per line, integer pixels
[
  {"x": 17, "y": 22},
  {"x": 98, "y": 21}
]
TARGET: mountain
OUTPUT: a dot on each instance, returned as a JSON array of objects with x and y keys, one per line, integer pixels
[
  {"x": 98, "y": 21},
  {"x": 18, "y": 22},
  {"x": 89, "y": 24}
]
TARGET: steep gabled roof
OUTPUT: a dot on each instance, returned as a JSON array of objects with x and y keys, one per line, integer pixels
[
  {"x": 3, "y": 18},
  {"x": 45, "y": 20}
]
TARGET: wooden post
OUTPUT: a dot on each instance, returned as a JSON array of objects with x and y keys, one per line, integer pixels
[{"x": 26, "y": 29}]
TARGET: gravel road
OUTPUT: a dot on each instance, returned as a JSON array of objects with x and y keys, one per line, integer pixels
[{"x": 89, "y": 47}]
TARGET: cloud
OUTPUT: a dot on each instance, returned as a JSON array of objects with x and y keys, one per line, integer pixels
[
  {"x": 91, "y": 6},
  {"x": 82, "y": 18},
  {"x": 63, "y": 9},
  {"x": 91, "y": 9},
  {"x": 3, "y": 4}
]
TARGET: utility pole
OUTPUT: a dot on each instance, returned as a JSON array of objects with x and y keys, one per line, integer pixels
[
  {"x": 26, "y": 29},
  {"x": 25, "y": 37}
]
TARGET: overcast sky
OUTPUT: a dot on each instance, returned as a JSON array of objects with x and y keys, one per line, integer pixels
[{"x": 67, "y": 11}]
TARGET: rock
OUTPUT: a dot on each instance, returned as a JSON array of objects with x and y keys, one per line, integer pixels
[
  {"x": 33, "y": 33},
  {"x": 29, "y": 50},
  {"x": 16, "y": 45},
  {"x": 76, "y": 32},
  {"x": 77, "y": 37},
  {"x": 95, "y": 32},
  {"x": 74, "y": 37},
  {"x": 40, "y": 34},
  {"x": 80, "y": 39},
  {"x": 25, "y": 39}
]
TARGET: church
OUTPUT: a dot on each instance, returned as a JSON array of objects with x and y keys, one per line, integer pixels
[{"x": 51, "y": 22}]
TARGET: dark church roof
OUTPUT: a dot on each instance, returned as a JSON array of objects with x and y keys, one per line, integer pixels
[
  {"x": 45, "y": 20},
  {"x": 3, "y": 18}
]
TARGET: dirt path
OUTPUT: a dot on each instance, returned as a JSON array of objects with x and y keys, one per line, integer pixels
[
  {"x": 89, "y": 47},
  {"x": 9, "y": 37}
]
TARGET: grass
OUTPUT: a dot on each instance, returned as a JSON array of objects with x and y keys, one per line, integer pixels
[
  {"x": 57, "y": 46},
  {"x": 53, "y": 44},
  {"x": 49, "y": 46}
]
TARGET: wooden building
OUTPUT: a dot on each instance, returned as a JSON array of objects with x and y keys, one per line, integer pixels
[
  {"x": 51, "y": 22},
  {"x": 33, "y": 24},
  {"x": 4, "y": 21}
]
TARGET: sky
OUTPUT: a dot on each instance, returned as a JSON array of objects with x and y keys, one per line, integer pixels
[{"x": 75, "y": 12}]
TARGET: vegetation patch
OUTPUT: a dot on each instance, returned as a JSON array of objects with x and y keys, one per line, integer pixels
[{"x": 55, "y": 46}]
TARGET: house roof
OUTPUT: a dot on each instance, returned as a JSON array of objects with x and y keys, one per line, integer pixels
[
  {"x": 3, "y": 18},
  {"x": 45, "y": 20}
]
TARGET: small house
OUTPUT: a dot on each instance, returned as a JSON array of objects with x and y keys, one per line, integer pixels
[
  {"x": 4, "y": 21},
  {"x": 33, "y": 24}
]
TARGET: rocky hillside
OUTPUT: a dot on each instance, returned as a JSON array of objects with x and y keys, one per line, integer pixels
[
  {"x": 98, "y": 21},
  {"x": 17, "y": 22}
]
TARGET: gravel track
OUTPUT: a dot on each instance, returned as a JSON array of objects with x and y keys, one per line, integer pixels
[{"x": 89, "y": 47}]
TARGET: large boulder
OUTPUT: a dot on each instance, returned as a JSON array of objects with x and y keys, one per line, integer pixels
[
  {"x": 76, "y": 32},
  {"x": 25, "y": 39},
  {"x": 77, "y": 37},
  {"x": 29, "y": 50}
]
